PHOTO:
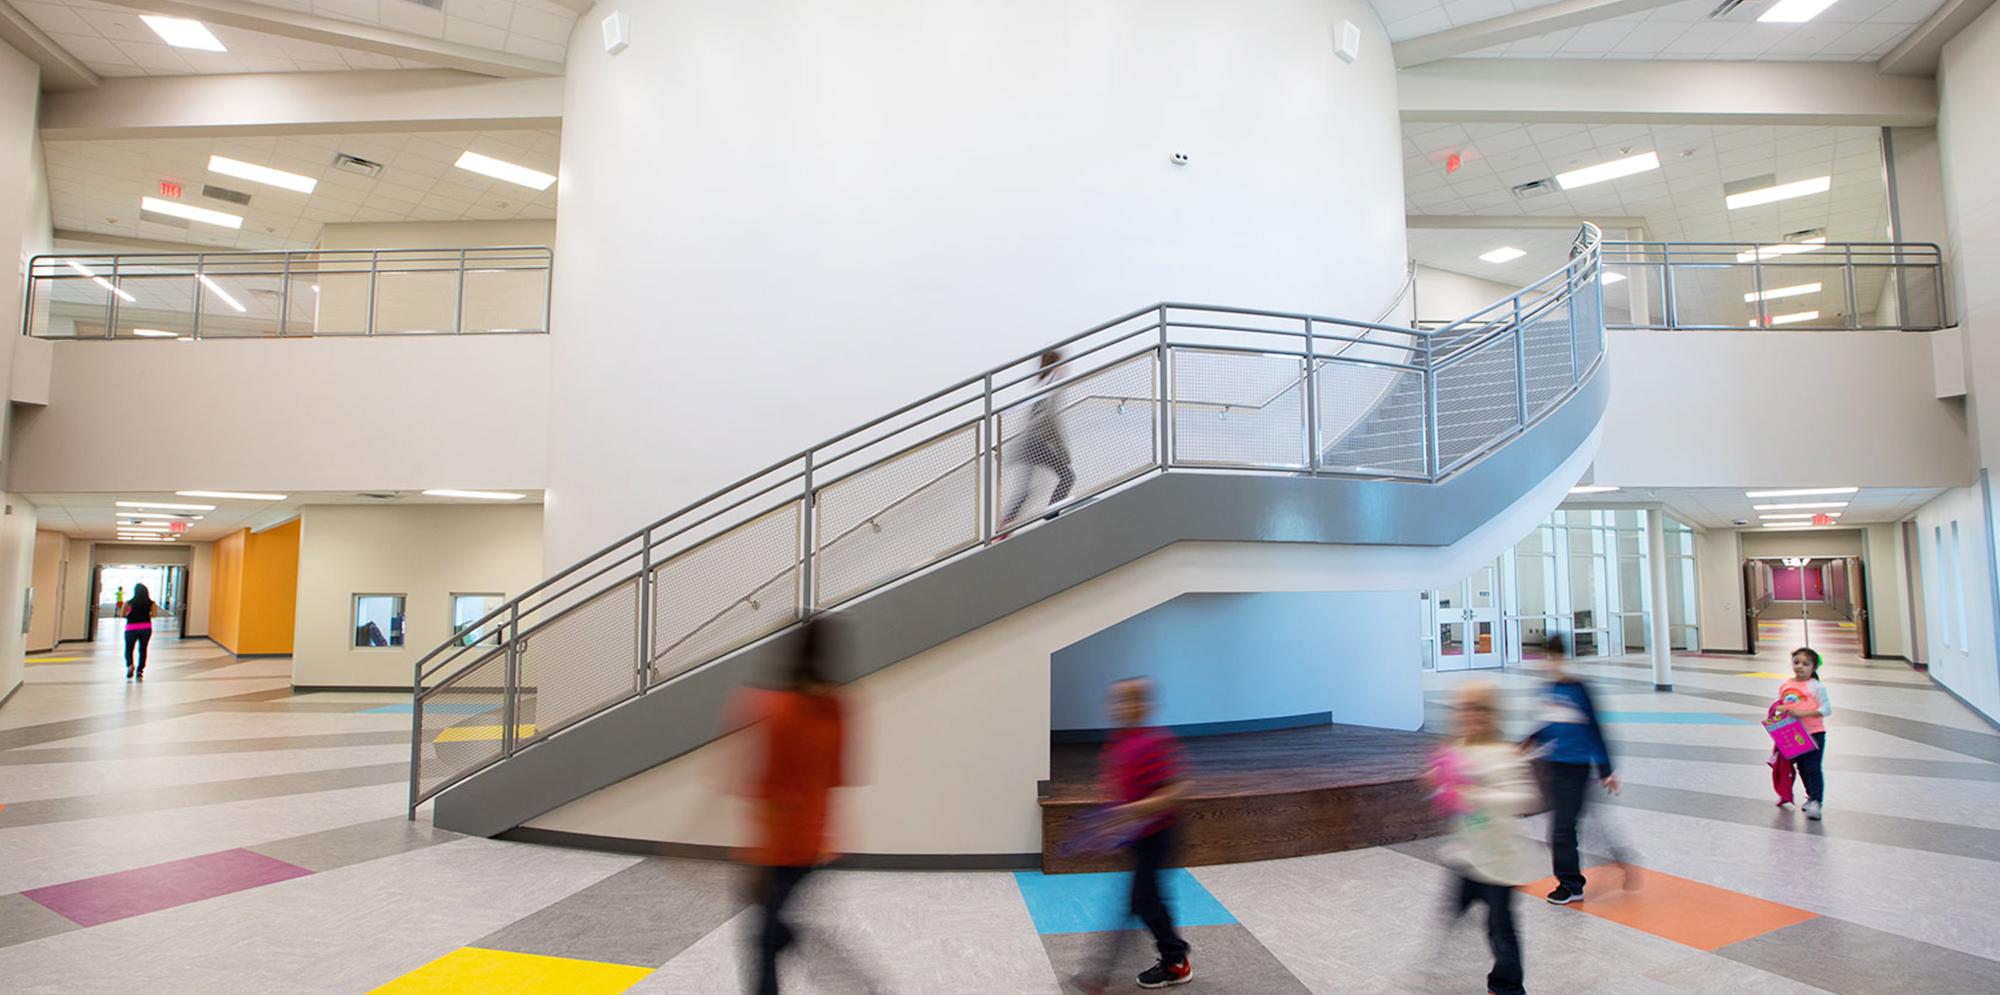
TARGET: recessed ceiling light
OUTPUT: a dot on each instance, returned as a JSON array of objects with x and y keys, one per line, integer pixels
[
  {"x": 1592, "y": 489},
  {"x": 179, "y": 210},
  {"x": 153, "y": 333},
  {"x": 1792, "y": 319},
  {"x": 475, "y": 495},
  {"x": 233, "y": 495},
  {"x": 1505, "y": 253},
  {"x": 157, "y": 514},
  {"x": 1794, "y": 11},
  {"x": 1801, "y": 492},
  {"x": 183, "y": 33},
  {"x": 1763, "y": 252},
  {"x": 170, "y": 506},
  {"x": 261, "y": 174},
  {"x": 1772, "y": 295},
  {"x": 1783, "y": 191},
  {"x": 100, "y": 281},
  {"x": 1801, "y": 514},
  {"x": 1790, "y": 525},
  {"x": 1644, "y": 162},
  {"x": 216, "y": 288},
  {"x": 533, "y": 179},
  {"x": 1800, "y": 504},
  {"x": 146, "y": 528},
  {"x": 1610, "y": 278}
]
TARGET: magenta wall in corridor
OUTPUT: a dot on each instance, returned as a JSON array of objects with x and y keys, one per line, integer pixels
[{"x": 1790, "y": 583}]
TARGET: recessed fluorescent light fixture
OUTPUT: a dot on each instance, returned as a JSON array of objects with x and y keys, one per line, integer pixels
[
  {"x": 1772, "y": 295},
  {"x": 533, "y": 179},
  {"x": 1801, "y": 492},
  {"x": 183, "y": 33},
  {"x": 233, "y": 495},
  {"x": 1792, "y": 319},
  {"x": 1503, "y": 254},
  {"x": 1790, "y": 525},
  {"x": 176, "y": 209},
  {"x": 1610, "y": 278},
  {"x": 100, "y": 281},
  {"x": 1783, "y": 191},
  {"x": 1800, "y": 514},
  {"x": 1800, "y": 505},
  {"x": 153, "y": 333},
  {"x": 216, "y": 288},
  {"x": 1763, "y": 252},
  {"x": 1592, "y": 489},
  {"x": 168, "y": 505},
  {"x": 123, "y": 537},
  {"x": 260, "y": 174},
  {"x": 1794, "y": 11},
  {"x": 1642, "y": 163},
  {"x": 156, "y": 514},
  {"x": 145, "y": 528},
  {"x": 475, "y": 495}
]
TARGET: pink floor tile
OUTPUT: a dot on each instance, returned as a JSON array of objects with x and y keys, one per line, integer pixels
[{"x": 110, "y": 897}]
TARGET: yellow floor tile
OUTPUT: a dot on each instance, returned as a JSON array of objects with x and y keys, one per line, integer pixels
[
  {"x": 499, "y": 972},
  {"x": 469, "y": 734},
  {"x": 1765, "y": 673}
]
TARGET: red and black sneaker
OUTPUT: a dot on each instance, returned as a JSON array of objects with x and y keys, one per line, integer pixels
[{"x": 1164, "y": 975}]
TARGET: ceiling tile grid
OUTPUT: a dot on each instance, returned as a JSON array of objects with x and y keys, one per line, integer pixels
[
  {"x": 96, "y": 516},
  {"x": 1848, "y": 31},
  {"x": 1407, "y": 19},
  {"x": 95, "y": 186},
  {"x": 1722, "y": 507},
  {"x": 112, "y": 41}
]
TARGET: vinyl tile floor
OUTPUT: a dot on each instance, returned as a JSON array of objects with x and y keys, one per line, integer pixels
[{"x": 209, "y": 830}]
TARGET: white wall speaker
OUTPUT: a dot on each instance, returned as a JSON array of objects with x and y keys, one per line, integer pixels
[
  {"x": 1346, "y": 41},
  {"x": 618, "y": 32}
]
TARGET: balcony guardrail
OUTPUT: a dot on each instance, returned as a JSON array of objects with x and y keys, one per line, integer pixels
[
  {"x": 1796, "y": 286},
  {"x": 290, "y": 294},
  {"x": 1165, "y": 388}
]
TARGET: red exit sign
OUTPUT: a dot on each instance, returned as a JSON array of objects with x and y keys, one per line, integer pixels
[
  {"x": 1822, "y": 519},
  {"x": 169, "y": 188}
]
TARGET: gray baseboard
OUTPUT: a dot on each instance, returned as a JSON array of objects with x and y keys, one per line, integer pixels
[
  {"x": 852, "y": 861},
  {"x": 1194, "y": 729}
]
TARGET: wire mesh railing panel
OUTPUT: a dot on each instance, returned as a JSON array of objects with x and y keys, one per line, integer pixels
[
  {"x": 1238, "y": 409},
  {"x": 1478, "y": 400},
  {"x": 902, "y": 514},
  {"x": 1102, "y": 434},
  {"x": 1545, "y": 346},
  {"x": 727, "y": 592},
  {"x": 1919, "y": 298},
  {"x": 1372, "y": 419},
  {"x": 463, "y": 723},
  {"x": 1589, "y": 331},
  {"x": 578, "y": 661}
]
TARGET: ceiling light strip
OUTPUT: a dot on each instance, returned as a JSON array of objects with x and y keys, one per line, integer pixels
[{"x": 1783, "y": 191}]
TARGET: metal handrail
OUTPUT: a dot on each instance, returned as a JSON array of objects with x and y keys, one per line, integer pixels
[
  {"x": 986, "y": 408},
  {"x": 255, "y": 293},
  {"x": 1660, "y": 295}
]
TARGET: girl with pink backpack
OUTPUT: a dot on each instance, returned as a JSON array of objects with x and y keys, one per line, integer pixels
[{"x": 1798, "y": 727}]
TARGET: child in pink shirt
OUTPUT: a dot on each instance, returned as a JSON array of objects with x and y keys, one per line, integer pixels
[{"x": 1805, "y": 697}]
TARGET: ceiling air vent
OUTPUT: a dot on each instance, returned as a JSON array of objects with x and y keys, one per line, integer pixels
[
  {"x": 1535, "y": 188},
  {"x": 214, "y": 192},
  {"x": 357, "y": 165},
  {"x": 1804, "y": 234},
  {"x": 432, "y": 4},
  {"x": 376, "y": 495}
]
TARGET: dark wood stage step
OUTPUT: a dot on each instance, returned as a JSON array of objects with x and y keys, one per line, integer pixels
[{"x": 1263, "y": 795}]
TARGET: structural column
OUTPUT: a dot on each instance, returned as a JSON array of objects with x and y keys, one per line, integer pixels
[{"x": 1656, "y": 567}]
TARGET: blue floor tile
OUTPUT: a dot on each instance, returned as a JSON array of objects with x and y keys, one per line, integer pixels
[
  {"x": 1090, "y": 903},
  {"x": 1676, "y": 718}
]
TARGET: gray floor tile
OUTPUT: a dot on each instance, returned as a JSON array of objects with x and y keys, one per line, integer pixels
[
  {"x": 643, "y": 915},
  {"x": 363, "y": 841},
  {"x": 1226, "y": 959},
  {"x": 23, "y": 919},
  {"x": 1844, "y": 957},
  {"x": 48, "y": 810}
]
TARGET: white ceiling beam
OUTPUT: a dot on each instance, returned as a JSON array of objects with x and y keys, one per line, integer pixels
[
  {"x": 1918, "y": 53},
  {"x": 302, "y": 104},
  {"x": 250, "y": 16},
  {"x": 1615, "y": 92},
  {"x": 60, "y": 70},
  {"x": 1519, "y": 222},
  {"x": 1514, "y": 27}
]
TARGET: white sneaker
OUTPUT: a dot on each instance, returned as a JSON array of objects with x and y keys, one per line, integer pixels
[{"x": 1812, "y": 811}]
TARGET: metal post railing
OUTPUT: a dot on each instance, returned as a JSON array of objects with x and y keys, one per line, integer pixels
[
  {"x": 1166, "y": 396},
  {"x": 1853, "y": 302},
  {"x": 808, "y": 515},
  {"x": 1668, "y": 303},
  {"x": 645, "y": 675},
  {"x": 510, "y": 690},
  {"x": 1312, "y": 403},
  {"x": 416, "y": 735},
  {"x": 284, "y": 295},
  {"x": 458, "y": 302},
  {"x": 200, "y": 263},
  {"x": 1433, "y": 455},
  {"x": 989, "y": 461},
  {"x": 1520, "y": 365},
  {"x": 374, "y": 268},
  {"x": 111, "y": 304},
  {"x": 1569, "y": 290}
]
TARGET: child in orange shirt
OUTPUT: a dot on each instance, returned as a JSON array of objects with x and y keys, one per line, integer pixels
[{"x": 1804, "y": 696}]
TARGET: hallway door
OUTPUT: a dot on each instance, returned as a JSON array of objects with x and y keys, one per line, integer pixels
[
  {"x": 1468, "y": 622},
  {"x": 1857, "y": 594}
]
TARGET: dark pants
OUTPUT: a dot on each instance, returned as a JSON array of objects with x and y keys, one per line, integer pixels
[
  {"x": 1505, "y": 979},
  {"x": 1810, "y": 769},
  {"x": 1150, "y": 855},
  {"x": 777, "y": 888},
  {"x": 1568, "y": 785},
  {"x": 141, "y": 638}
]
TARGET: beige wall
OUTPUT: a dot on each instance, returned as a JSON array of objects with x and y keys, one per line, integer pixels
[
  {"x": 201, "y": 560},
  {"x": 76, "y": 593},
  {"x": 1843, "y": 542},
  {"x": 1719, "y": 577},
  {"x": 17, "y": 564},
  {"x": 1443, "y": 295},
  {"x": 50, "y": 576},
  {"x": 427, "y": 554}
]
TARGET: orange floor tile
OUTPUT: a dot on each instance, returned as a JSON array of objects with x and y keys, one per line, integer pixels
[{"x": 1687, "y": 912}]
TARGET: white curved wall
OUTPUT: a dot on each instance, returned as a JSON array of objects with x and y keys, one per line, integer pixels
[{"x": 779, "y": 219}]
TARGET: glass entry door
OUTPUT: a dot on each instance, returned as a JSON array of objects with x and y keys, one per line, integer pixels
[{"x": 1468, "y": 622}]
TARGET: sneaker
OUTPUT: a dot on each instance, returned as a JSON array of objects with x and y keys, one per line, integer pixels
[
  {"x": 1563, "y": 896},
  {"x": 1812, "y": 811},
  {"x": 1163, "y": 974},
  {"x": 128, "y": 673},
  {"x": 1785, "y": 804}
]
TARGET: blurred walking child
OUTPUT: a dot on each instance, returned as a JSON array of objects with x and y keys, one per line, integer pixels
[
  {"x": 1141, "y": 766},
  {"x": 1805, "y": 698},
  {"x": 1484, "y": 786},
  {"x": 1571, "y": 741}
]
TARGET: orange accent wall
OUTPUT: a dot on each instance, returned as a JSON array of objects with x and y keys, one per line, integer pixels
[
  {"x": 225, "y": 591},
  {"x": 254, "y": 590}
]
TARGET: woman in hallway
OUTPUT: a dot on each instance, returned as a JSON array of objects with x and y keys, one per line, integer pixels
[{"x": 138, "y": 614}]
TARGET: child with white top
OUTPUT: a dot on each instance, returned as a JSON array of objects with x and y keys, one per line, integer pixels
[
  {"x": 1805, "y": 697},
  {"x": 1487, "y": 787}
]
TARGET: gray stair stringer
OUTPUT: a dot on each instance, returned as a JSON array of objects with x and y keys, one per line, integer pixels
[{"x": 961, "y": 595}]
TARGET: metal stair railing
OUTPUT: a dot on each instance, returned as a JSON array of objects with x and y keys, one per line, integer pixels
[
  {"x": 1166, "y": 388},
  {"x": 1809, "y": 285}
]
